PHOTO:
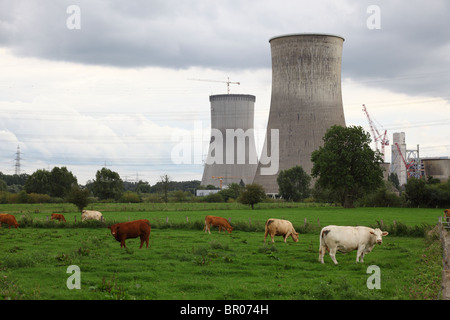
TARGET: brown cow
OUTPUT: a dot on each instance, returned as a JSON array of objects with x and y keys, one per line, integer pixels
[
  {"x": 57, "y": 216},
  {"x": 220, "y": 222},
  {"x": 9, "y": 219},
  {"x": 278, "y": 227},
  {"x": 132, "y": 229},
  {"x": 447, "y": 214}
]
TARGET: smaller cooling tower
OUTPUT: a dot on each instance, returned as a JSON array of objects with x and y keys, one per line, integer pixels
[
  {"x": 232, "y": 153},
  {"x": 398, "y": 149}
]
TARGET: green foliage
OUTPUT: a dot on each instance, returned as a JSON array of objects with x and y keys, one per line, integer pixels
[
  {"x": 79, "y": 197},
  {"x": 427, "y": 193},
  {"x": 346, "y": 163},
  {"x": 294, "y": 184},
  {"x": 107, "y": 185},
  {"x": 252, "y": 194},
  {"x": 56, "y": 183}
]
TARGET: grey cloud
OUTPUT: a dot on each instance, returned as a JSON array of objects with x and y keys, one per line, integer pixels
[{"x": 412, "y": 43}]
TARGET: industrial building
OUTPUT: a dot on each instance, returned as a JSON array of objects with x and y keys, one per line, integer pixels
[
  {"x": 306, "y": 100},
  {"x": 232, "y": 155}
]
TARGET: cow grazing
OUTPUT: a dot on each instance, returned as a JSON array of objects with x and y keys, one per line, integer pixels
[
  {"x": 8, "y": 219},
  {"x": 278, "y": 227},
  {"x": 346, "y": 239},
  {"x": 220, "y": 222},
  {"x": 57, "y": 216},
  {"x": 91, "y": 215},
  {"x": 131, "y": 229},
  {"x": 447, "y": 214}
]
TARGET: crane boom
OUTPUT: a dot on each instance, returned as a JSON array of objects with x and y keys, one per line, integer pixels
[
  {"x": 376, "y": 135},
  {"x": 227, "y": 82}
]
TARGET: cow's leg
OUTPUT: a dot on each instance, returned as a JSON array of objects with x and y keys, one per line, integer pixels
[
  {"x": 122, "y": 243},
  {"x": 322, "y": 251},
  {"x": 360, "y": 254},
  {"x": 333, "y": 255},
  {"x": 273, "y": 236}
]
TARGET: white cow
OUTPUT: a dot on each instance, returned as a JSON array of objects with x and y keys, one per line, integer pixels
[
  {"x": 346, "y": 239},
  {"x": 278, "y": 227},
  {"x": 91, "y": 215}
]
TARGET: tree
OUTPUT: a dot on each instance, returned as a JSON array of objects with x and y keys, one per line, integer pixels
[
  {"x": 346, "y": 163},
  {"x": 79, "y": 197},
  {"x": 165, "y": 180},
  {"x": 253, "y": 194},
  {"x": 56, "y": 183},
  {"x": 293, "y": 184},
  {"x": 61, "y": 182},
  {"x": 107, "y": 185}
]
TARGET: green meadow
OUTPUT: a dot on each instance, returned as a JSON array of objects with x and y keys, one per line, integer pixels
[{"x": 184, "y": 263}]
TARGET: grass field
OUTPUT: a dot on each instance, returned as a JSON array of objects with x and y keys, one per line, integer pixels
[{"x": 184, "y": 263}]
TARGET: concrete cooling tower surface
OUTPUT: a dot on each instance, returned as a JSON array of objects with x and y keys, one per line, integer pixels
[
  {"x": 306, "y": 100},
  {"x": 232, "y": 155}
]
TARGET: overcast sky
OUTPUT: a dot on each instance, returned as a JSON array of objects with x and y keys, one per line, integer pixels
[{"x": 84, "y": 84}]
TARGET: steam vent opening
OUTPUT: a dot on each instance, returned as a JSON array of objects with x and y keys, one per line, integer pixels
[{"x": 306, "y": 101}]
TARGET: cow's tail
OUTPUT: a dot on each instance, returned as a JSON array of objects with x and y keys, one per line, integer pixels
[{"x": 323, "y": 246}]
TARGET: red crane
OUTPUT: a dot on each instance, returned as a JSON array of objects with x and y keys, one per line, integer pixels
[{"x": 376, "y": 135}]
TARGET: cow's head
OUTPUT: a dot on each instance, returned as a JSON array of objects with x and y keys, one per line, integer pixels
[
  {"x": 379, "y": 234},
  {"x": 114, "y": 228},
  {"x": 295, "y": 236},
  {"x": 229, "y": 229},
  {"x": 447, "y": 212}
]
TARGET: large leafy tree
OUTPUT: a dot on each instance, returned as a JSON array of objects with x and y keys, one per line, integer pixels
[
  {"x": 294, "y": 183},
  {"x": 252, "y": 194},
  {"x": 107, "y": 185},
  {"x": 56, "y": 183},
  {"x": 346, "y": 164}
]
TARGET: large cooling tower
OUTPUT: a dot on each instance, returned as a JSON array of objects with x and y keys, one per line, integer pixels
[
  {"x": 306, "y": 101},
  {"x": 232, "y": 153}
]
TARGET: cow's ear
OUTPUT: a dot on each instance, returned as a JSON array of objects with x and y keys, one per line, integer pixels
[
  {"x": 385, "y": 233},
  {"x": 371, "y": 232}
]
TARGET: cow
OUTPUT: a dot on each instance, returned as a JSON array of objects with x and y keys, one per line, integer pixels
[
  {"x": 447, "y": 214},
  {"x": 279, "y": 227},
  {"x": 57, "y": 216},
  {"x": 220, "y": 222},
  {"x": 132, "y": 229},
  {"x": 8, "y": 219},
  {"x": 346, "y": 239},
  {"x": 91, "y": 215}
]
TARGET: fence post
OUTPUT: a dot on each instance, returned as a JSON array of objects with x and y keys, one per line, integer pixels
[
  {"x": 167, "y": 219},
  {"x": 187, "y": 219}
]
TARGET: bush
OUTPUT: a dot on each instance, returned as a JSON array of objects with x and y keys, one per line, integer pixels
[{"x": 130, "y": 197}]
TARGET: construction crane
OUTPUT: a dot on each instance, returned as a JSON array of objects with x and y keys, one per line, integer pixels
[
  {"x": 377, "y": 137},
  {"x": 407, "y": 165},
  {"x": 227, "y": 82}
]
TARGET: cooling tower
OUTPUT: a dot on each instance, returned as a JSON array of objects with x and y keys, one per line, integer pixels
[
  {"x": 232, "y": 153},
  {"x": 306, "y": 101},
  {"x": 398, "y": 150}
]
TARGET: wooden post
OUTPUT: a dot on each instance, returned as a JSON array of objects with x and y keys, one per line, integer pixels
[
  {"x": 167, "y": 219},
  {"x": 187, "y": 219},
  {"x": 304, "y": 222}
]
